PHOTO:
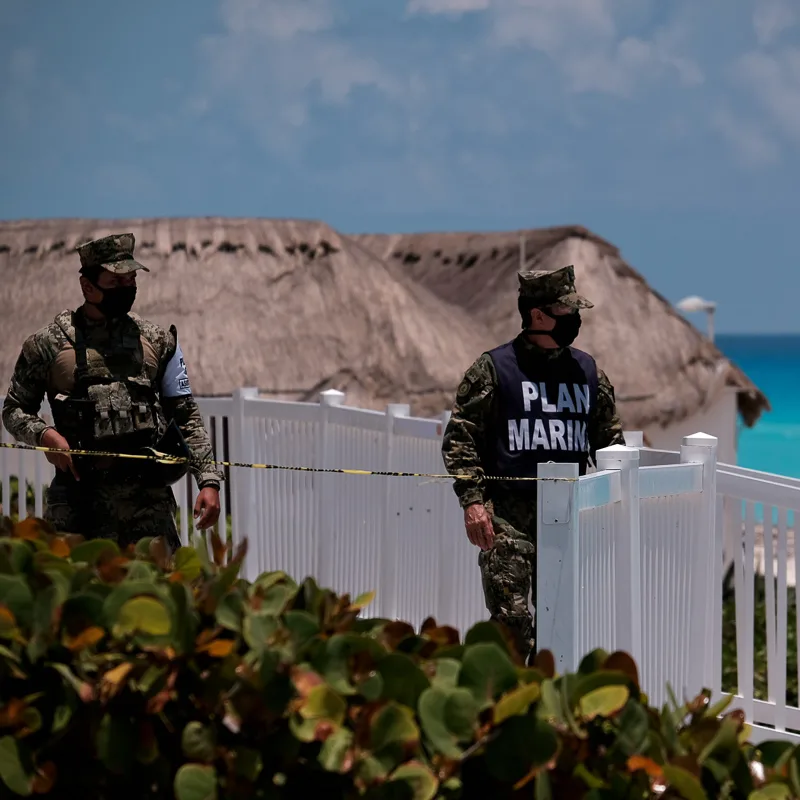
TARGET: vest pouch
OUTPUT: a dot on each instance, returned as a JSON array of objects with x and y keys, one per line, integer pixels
[
  {"x": 122, "y": 419},
  {"x": 73, "y": 418},
  {"x": 143, "y": 417},
  {"x": 103, "y": 428}
]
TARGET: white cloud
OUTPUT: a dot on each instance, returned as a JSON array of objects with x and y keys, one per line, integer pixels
[
  {"x": 276, "y": 19},
  {"x": 749, "y": 141},
  {"x": 772, "y": 17},
  {"x": 447, "y": 6},
  {"x": 774, "y": 81},
  {"x": 582, "y": 38},
  {"x": 274, "y": 55}
]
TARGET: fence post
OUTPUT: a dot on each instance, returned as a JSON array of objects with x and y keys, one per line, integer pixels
[
  {"x": 557, "y": 513},
  {"x": 328, "y": 399},
  {"x": 389, "y": 540},
  {"x": 700, "y": 448},
  {"x": 241, "y": 490},
  {"x": 628, "y": 560},
  {"x": 634, "y": 438}
]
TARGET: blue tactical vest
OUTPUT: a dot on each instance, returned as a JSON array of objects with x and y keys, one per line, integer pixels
[{"x": 542, "y": 414}]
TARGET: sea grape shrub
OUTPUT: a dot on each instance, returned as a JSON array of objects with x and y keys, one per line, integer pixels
[{"x": 141, "y": 674}]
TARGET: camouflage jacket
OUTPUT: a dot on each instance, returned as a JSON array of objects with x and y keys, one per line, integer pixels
[
  {"x": 46, "y": 366},
  {"x": 467, "y": 433}
]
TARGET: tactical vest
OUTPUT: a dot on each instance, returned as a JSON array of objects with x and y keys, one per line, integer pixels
[
  {"x": 543, "y": 414},
  {"x": 113, "y": 404}
]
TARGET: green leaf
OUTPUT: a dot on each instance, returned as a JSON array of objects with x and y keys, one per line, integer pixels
[
  {"x": 522, "y": 743},
  {"x": 432, "y": 706},
  {"x": 276, "y": 599},
  {"x": 302, "y": 626},
  {"x": 448, "y": 716},
  {"x": 61, "y": 718},
  {"x": 187, "y": 562},
  {"x": 603, "y": 702},
  {"x": 15, "y": 557},
  {"x": 403, "y": 680},
  {"x": 333, "y": 661},
  {"x": 685, "y": 783},
  {"x": 419, "y": 779},
  {"x": 116, "y": 743},
  {"x": 486, "y": 632},
  {"x": 126, "y": 591},
  {"x": 11, "y": 771},
  {"x": 725, "y": 739},
  {"x": 487, "y": 672},
  {"x": 16, "y": 594},
  {"x": 773, "y": 751},
  {"x": 371, "y": 689},
  {"x": 634, "y": 729},
  {"x": 143, "y": 615},
  {"x": 772, "y": 791},
  {"x": 362, "y": 601},
  {"x": 248, "y": 763},
  {"x": 333, "y": 753},
  {"x": 324, "y": 704},
  {"x": 90, "y": 551},
  {"x": 447, "y": 671},
  {"x": 195, "y": 782},
  {"x": 586, "y": 684},
  {"x": 516, "y": 702},
  {"x": 229, "y": 612},
  {"x": 258, "y": 629},
  {"x": 198, "y": 742},
  {"x": 393, "y": 724},
  {"x": 550, "y": 705}
]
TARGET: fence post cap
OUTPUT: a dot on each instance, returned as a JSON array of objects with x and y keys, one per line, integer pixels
[
  {"x": 700, "y": 440},
  {"x": 634, "y": 438},
  {"x": 331, "y": 397},
  {"x": 618, "y": 452}
]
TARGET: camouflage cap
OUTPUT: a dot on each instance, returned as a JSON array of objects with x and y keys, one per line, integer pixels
[
  {"x": 114, "y": 253},
  {"x": 548, "y": 287}
]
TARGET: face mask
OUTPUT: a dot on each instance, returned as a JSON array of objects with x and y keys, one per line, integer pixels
[
  {"x": 565, "y": 331},
  {"x": 116, "y": 302}
]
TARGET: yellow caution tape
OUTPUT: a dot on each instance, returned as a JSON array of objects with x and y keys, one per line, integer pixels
[{"x": 163, "y": 458}]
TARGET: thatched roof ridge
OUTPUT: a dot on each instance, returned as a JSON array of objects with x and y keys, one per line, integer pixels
[{"x": 663, "y": 369}]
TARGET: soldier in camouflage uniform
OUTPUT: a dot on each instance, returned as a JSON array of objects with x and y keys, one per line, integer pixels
[
  {"x": 499, "y": 426},
  {"x": 116, "y": 383}
]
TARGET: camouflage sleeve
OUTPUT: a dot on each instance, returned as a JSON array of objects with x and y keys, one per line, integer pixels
[
  {"x": 179, "y": 404},
  {"x": 26, "y": 393},
  {"x": 606, "y": 427},
  {"x": 186, "y": 413},
  {"x": 465, "y": 436}
]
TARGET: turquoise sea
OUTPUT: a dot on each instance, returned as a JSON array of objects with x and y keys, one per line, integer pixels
[{"x": 773, "y": 364}]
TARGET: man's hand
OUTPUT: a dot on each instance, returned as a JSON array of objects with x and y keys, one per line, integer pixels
[
  {"x": 63, "y": 461},
  {"x": 206, "y": 508},
  {"x": 479, "y": 526}
]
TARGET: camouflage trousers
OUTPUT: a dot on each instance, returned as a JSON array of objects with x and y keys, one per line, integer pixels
[
  {"x": 508, "y": 569},
  {"x": 105, "y": 505}
]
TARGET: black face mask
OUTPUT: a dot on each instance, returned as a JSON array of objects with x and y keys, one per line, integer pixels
[
  {"x": 565, "y": 331},
  {"x": 116, "y": 302}
]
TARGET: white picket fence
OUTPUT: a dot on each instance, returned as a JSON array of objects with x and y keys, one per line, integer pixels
[{"x": 630, "y": 556}]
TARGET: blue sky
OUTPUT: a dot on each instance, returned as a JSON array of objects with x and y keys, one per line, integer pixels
[{"x": 671, "y": 127}]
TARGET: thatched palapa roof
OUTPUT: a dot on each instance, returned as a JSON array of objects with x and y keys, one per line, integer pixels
[
  {"x": 294, "y": 307},
  {"x": 662, "y": 368}
]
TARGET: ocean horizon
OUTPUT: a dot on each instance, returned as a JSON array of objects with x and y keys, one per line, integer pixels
[{"x": 772, "y": 362}]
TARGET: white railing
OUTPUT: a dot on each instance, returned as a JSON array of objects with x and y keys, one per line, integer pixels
[
  {"x": 629, "y": 556},
  {"x": 626, "y": 561},
  {"x": 402, "y": 536}
]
